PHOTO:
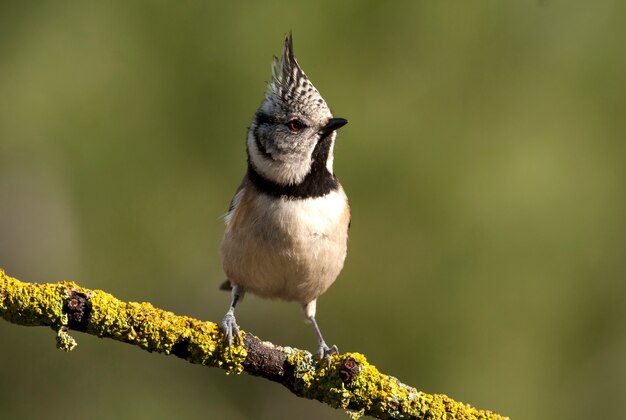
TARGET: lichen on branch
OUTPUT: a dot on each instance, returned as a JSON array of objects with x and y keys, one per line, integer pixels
[{"x": 349, "y": 383}]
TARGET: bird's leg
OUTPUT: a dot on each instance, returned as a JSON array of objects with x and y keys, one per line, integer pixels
[
  {"x": 229, "y": 323},
  {"x": 324, "y": 351}
]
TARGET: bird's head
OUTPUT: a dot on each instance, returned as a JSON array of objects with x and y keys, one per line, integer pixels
[{"x": 294, "y": 127}]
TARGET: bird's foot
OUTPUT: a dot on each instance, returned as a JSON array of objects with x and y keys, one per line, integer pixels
[
  {"x": 231, "y": 329},
  {"x": 326, "y": 352}
]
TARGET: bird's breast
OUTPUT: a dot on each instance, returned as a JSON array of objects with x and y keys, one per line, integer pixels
[{"x": 287, "y": 248}]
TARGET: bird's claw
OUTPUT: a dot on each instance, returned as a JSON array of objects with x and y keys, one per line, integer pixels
[
  {"x": 229, "y": 326},
  {"x": 326, "y": 352}
]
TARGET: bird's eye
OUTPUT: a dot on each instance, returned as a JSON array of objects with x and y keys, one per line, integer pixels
[{"x": 295, "y": 125}]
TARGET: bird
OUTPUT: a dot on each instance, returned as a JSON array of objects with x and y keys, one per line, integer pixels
[{"x": 287, "y": 225}]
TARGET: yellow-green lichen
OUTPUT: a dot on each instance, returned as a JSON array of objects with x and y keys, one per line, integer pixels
[
  {"x": 355, "y": 415},
  {"x": 160, "y": 331},
  {"x": 370, "y": 392},
  {"x": 65, "y": 341},
  {"x": 371, "y": 389},
  {"x": 381, "y": 394},
  {"x": 349, "y": 383},
  {"x": 315, "y": 380},
  {"x": 31, "y": 304},
  {"x": 304, "y": 365},
  {"x": 141, "y": 324}
]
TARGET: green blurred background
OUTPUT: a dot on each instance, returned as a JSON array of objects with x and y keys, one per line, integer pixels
[{"x": 484, "y": 161}]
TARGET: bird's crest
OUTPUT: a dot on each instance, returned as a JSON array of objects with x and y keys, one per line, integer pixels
[{"x": 289, "y": 83}]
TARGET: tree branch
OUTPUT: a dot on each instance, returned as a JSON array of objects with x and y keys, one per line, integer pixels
[{"x": 350, "y": 383}]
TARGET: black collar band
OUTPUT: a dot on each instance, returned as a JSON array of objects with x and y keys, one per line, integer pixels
[
  {"x": 317, "y": 183},
  {"x": 308, "y": 188}
]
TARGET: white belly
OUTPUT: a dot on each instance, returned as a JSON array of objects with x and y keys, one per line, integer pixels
[{"x": 288, "y": 249}]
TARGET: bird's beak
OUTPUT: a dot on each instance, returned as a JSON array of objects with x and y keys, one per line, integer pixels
[{"x": 332, "y": 125}]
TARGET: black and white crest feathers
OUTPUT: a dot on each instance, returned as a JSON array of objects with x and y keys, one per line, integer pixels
[{"x": 289, "y": 82}]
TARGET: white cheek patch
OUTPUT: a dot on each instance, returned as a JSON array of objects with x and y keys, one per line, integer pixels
[
  {"x": 283, "y": 172},
  {"x": 261, "y": 163},
  {"x": 331, "y": 157}
]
